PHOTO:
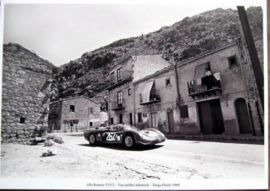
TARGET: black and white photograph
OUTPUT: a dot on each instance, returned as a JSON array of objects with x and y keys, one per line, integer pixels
[{"x": 138, "y": 95}]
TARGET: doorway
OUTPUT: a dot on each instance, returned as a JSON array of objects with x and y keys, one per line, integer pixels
[
  {"x": 121, "y": 118},
  {"x": 154, "y": 120},
  {"x": 130, "y": 119},
  {"x": 243, "y": 116},
  {"x": 211, "y": 118},
  {"x": 170, "y": 121}
]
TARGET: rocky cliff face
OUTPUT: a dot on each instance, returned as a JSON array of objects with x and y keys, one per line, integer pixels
[
  {"x": 25, "y": 94},
  {"x": 187, "y": 38}
]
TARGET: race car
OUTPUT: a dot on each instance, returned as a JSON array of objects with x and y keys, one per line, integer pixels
[{"x": 125, "y": 134}]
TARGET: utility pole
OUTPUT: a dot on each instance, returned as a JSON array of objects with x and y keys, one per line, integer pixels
[{"x": 255, "y": 63}]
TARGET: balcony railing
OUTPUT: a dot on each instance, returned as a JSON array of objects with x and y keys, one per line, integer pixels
[
  {"x": 118, "y": 104},
  {"x": 205, "y": 86},
  {"x": 154, "y": 97},
  {"x": 116, "y": 81}
]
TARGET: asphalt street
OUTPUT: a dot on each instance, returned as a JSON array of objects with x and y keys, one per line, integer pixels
[{"x": 179, "y": 159}]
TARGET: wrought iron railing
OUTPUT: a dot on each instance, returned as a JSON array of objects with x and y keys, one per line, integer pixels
[
  {"x": 118, "y": 104},
  {"x": 154, "y": 97},
  {"x": 204, "y": 84}
]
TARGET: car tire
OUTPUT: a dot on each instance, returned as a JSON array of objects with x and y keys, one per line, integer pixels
[
  {"x": 92, "y": 139},
  {"x": 129, "y": 141}
]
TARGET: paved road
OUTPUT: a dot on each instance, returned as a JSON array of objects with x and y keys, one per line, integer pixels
[{"x": 171, "y": 159}]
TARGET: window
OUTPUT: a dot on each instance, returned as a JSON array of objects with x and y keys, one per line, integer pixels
[
  {"x": 139, "y": 117},
  {"x": 91, "y": 124},
  {"x": 140, "y": 97},
  {"x": 71, "y": 123},
  {"x": 232, "y": 62},
  {"x": 90, "y": 110},
  {"x": 112, "y": 78},
  {"x": 22, "y": 119},
  {"x": 184, "y": 111},
  {"x": 119, "y": 98},
  {"x": 112, "y": 121},
  {"x": 154, "y": 120},
  {"x": 119, "y": 74},
  {"x": 72, "y": 108},
  {"x": 129, "y": 91},
  {"x": 167, "y": 81}
]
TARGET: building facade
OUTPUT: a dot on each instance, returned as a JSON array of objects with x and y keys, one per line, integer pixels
[
  {"x": 216, "y": 94},
  {"x": 122, "y": 91},
  {"x": 74, "y": 114},
  {"x": 213, "y": 93}
]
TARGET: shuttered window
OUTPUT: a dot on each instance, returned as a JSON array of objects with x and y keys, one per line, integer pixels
[{"x": 184, "y": 111}]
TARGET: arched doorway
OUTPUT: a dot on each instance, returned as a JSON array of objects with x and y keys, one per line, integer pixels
[{"x": 243, "y": 116}]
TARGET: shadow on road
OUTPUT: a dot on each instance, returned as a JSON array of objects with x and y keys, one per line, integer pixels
[{"x": 121, "y": 147}]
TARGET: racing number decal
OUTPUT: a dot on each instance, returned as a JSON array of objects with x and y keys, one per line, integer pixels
[{"x": 111, "y": 137}]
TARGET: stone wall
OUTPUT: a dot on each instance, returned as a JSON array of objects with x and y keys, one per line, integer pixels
[{"x": 25, "y": 94}]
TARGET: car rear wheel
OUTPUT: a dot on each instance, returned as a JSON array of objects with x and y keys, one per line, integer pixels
[
  {"x": 92, "y": 139},
  {"x": 129, "y": 141}
]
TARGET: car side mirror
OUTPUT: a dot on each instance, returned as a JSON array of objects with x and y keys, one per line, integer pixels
[{"x": 96, "y": 128}]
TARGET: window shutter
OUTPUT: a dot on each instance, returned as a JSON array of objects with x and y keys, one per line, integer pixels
[{"x": 184, "y": 111}]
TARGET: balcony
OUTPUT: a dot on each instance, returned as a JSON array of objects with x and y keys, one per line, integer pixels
[
  {"x": 153, "y": 98},
  {"x": 125, "y": 77},
  {"x": 117, "y": 105},
  {"x": 204, "y": 87}
]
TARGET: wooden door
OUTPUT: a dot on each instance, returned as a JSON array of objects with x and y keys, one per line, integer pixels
[
  {"x": 217, "y": 117},
  {"x": 243, "y": 116},
  {"x": 171, "y": 122},
  {"x": 205, "y": 116},
  {"x": 120, "y": 118},
  {"x": 130, "y": 119}
]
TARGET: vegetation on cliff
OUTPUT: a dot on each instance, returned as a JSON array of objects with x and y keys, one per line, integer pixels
[{"x": 88, "y": 74}]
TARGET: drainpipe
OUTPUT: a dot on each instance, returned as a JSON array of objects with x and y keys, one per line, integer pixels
[
  {"x": 177, "y": 85},
  {"x": 109, "y": 114},
  {"x": 134, "y": 105},
  {"x": 241, "y": 67},
  {"x": 245, "y": 82}
]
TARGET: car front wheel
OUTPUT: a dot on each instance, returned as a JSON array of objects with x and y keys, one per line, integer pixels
[
  {"x": 92, "y": 139},
  {"x": 129, "y": 141}
]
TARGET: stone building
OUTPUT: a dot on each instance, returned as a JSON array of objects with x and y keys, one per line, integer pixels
[
  {"x": 216, "y": 94},
  {"x": 212, "y": 93},
  {"x": 25, "y": 94},
  {"x": 122, "y": 90},
  {"x": 74, "y": 114}
]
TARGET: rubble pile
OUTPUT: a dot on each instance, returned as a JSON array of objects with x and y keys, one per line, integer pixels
[{"x": 55, "y": 139}]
